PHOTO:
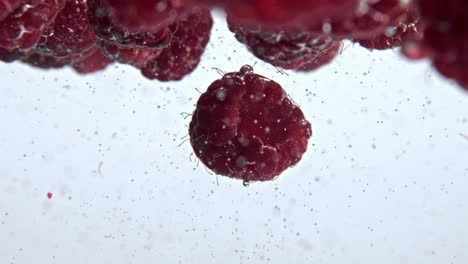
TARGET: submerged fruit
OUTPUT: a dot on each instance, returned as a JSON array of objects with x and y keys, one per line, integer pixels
[
  {"x": 190, "y": 36},
  {"x": 289, "y": 49},
  {"x": 246, "y": 127}
]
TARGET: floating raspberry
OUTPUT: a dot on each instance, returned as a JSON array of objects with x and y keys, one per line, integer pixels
[
  {"x": 445, "y": 38},
  {"x": 293, "y": 49},
  {"x": 99, "y": 14},
  {"x": 371, "y": 19},
  {"x": 92, "y": 61},
  {"x": 454, "y": 69},
  {"x": 21, "y": 29},
  {"x": 7, "y": 6},
  {"x": 286, "y": 13},
  {"x": 246, "y": 127},
  {"x": 146, "y": 15},
  {"x": 411, "y": 29},
  {"x": 181, "y": 57},
  {"x": 70, "y": 33}
]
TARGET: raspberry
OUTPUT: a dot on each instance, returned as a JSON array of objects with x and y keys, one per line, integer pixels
[
  {"x": 146, "y": 15},
  {"x": 10, "y": 55},
  {"x": 22, "y": 28},
  {"x": 245, "y": 127},
  {"x": 285, "y": 13},
  {"x": 127, "y": 55},
  {"x": 92, "y": 61},
  {"x": 293, "y": 49},
  {"x": 70, "y": 33},
  {"x": 181, "y": 57},
  {"x": 7, "y": 6},
  {"x": 411, "y": 29},
  {"x": 370, "y": 20},
  {"x": 455, "y": 69},
  {"x": 99, "y": 14},
  {"x": 445, "y": 38},
  {"x": 43, "y": 61}
]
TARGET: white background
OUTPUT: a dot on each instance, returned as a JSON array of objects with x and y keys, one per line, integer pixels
[{"x": 384, "y": 179}]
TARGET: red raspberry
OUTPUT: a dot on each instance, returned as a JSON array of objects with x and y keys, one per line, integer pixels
[
  {"x": 7, "y": 6},
  {"x": 411, "y": 29},
  {"x": 293, "y": 49},
  {"x": 70, "y": 33},
  {"x": 445, "y": 38},
  {"x": 146, "y": 15},
  {"x": 10, "y": 55},
  {"x": 245, "y": 127},
  {"x": 88, "y": 62},
  {"x": 22, "y": 28},
  {"x": 455, "y": 69},
  {"x": 371, "y": 19},
  {"x": 99, "y": 14},
  {"x": 43, "y": 61},
  {"x": 91, "y": 61},
  {"x": 181, "y": 57},
  {"x": 127, "y": 55},
  {"x": 286, "y": 13}
]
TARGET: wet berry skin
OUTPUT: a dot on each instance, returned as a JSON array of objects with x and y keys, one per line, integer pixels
[
  {"x": 146, "y": 15},
  {"x": 245, "y": 127},
  {"x": 190, "y": 36},
  {"x": 445, "y": 39},
  {"x": 7, "y": 6},
  {"x": 297, "y": 49},
  {"x": 100, "y": 19},
  {"x": 91, "y": 61},
  {"x": 410, "y": 29},
  {"x": 286, "y": 13},
  {"x": 22, "y": 28},
  {"x": 70, "y": 33}
]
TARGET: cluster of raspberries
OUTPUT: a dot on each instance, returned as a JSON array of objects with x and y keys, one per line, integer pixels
[
  {"x": 165, "y": 39},
  {"x": 244, "y": 126}
]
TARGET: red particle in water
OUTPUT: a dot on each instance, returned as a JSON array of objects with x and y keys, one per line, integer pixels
[
  {"x": 49, "y": 195},
  {"x": 246, "y": 127}
]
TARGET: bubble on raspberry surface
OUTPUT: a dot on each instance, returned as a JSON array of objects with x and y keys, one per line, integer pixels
[
  {"x": 21, "y": 29},
  {"x": 183, "y": 54},
  {"x": 289, "y": 49},
  {"x": 70, "y": 33},
  {"x": 252, "y": 132},
  {"x": 99, "y": 15}
]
